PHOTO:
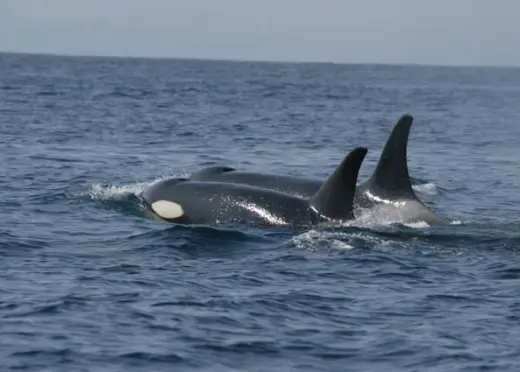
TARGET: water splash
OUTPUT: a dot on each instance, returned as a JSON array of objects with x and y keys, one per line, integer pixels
[
  {"x": 417, "y": 225},
  {"x": 380, "y": 216},
  {"x": 122, "y": 192},
  {"x": 313, "y": 239},
  {"x": 317, "y": 239},
  {"x": 426, "y": 189},
  {"x": 114, "y": 192}
]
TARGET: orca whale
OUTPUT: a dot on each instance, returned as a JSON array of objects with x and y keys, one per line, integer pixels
[
  {"x": 389, "y": 189},
  {"x": 187, "y": 201}
]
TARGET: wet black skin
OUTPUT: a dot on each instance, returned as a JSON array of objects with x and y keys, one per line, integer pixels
[{"x": 221, "y": 202}]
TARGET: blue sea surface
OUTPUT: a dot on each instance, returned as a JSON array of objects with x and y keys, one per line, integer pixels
[{"x": 90, "y": 282}]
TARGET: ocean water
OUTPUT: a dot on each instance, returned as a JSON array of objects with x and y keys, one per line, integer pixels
[{"x": 89, "y": 282}]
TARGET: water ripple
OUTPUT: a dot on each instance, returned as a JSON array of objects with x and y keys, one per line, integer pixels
[{"x": 90, "y": 281}]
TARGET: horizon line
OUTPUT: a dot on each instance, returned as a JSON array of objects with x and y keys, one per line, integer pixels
[{"x": 252, "y": 60}]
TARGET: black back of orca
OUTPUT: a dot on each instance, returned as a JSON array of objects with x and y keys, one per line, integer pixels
[
  {"x": 389, "y": 182},
  {"x": 298, "y": 186},
  {"x": 188, "y": 201}
]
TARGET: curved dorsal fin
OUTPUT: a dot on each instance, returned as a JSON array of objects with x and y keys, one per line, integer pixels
[
  {"x": 335, "y": 198},
  {"x": 391, "y": 174},
  {"x": 210, "y": 172}
]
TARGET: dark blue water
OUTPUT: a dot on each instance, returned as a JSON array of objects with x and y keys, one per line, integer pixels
[{"x": 91, "y": 283}]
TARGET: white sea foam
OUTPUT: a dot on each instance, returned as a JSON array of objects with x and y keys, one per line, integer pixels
[
  {"x": 316, "y": 239},
  {"x": 417, "y": 225},
  {"x": 380, "y": 216},
  {"x": 426, "y": 188},
  {"x": 313, "y": 239}
]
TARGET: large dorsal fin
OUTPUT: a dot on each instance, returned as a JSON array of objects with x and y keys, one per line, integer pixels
[
  {"x": 391, "y": 174},
  {"x": 210, "y": 172},
  {"x": 335, "y": 198}
]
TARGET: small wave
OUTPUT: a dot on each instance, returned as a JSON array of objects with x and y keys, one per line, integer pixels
[
  {"x": 206, "y": 232},
  {"x": 380, "y": 216},
  {"x": 68, "y": 302},
  {"x": 341, "y": 240},
  {"x": 143, "y": 356},
  {"x": 483, "y": 236},
  {"x": 59, "y": 352},
  {"x": 196, "y": 240},
  {"x": 510, "y": 273},
  {"x": 14, "y": 244},
  {"x": 315, "y": 238}
]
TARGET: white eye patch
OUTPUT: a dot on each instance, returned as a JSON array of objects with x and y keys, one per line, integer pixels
[{"x": 167, "y": 209}]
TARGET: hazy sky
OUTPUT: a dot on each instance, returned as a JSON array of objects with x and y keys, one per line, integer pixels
[{"x": 471, "y": 32}]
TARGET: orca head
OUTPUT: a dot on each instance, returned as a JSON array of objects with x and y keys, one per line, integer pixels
[{"x": 159, "y": 199}]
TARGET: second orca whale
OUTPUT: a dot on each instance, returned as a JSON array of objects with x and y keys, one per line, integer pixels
[
  {"x": 389, "y": 188},
  {"x": 187, "y": 201}
]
